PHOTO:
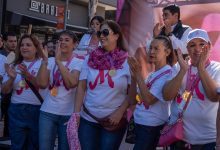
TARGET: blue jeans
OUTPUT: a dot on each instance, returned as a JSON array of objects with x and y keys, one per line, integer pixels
[
  {"x": 180, "y": 145},
  {"x": 49, "y": 126},
  {"x": 147, "y": 137},
  {"x": 23, "y": 126},
  {"x": 93, "y": 136}
]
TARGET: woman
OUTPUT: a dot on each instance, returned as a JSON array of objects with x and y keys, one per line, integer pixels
[
  {"x": 151, "y": 112},
  {"x": 61, "y": 75},
  {"x": 90, "y": 41},
  {"x": 104, "y": 81},
  {"x": 201, "y": 79},
  {"x": 25, "y": 106}
]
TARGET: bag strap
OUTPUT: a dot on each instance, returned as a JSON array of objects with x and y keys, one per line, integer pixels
[
  {"x": 35, "y": 91},
  {"x": 91, "y": 115}
]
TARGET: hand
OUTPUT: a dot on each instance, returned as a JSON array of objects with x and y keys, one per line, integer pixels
[
  {"x": 168, "y": 27},
  {"x": 203, "y": 57},
  {"x": 44, "y": 53},
  {"x": 10, "y": 71},
  {"x": 23, "y": 69},
  {"x": 58, "y": 53},
  {"x": 157, "y": 29},
  {"x": 135, "y": 67},
  {"x": 115, "y": 117},
  {"x": 183, "y": 64}
]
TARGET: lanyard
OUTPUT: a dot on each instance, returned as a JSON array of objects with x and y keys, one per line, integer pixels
[
  {"x": 193, "y": 79},
  {"x": 56, "y": 75},
  {"x": 149, "y": 84}
]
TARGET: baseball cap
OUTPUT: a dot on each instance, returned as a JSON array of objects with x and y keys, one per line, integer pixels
[{"x": 198, "y": 33}]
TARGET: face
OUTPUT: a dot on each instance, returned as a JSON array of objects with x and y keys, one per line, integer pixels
[
  {"x": 11, "y": 43},
  {"x": 28, "y": 50},
  {"x": 1, "y": 42},
  {"x": 107, "y": 38},
  {"x": 158, "y": 52},
  {"x": 168, "y": 18},
  {"x": 95, "y": 24},
  {"x": 195, "y": 47},
  {"x": 66, "y": 43}
]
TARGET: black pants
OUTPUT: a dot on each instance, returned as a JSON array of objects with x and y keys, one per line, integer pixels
[
  {"x": 5, "y": 102},
  {"x": 181, "y": 145}
]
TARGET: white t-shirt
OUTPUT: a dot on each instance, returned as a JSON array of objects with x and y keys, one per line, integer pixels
[
  {"x": 84, "y": 42},
  {"x": 24, "y": 95},
  {"x": 63, "y": 103},
  {"x": 200, "y": 116},
  {"x": 158, "y": 113},
  {"x": 108, "y": 93}
]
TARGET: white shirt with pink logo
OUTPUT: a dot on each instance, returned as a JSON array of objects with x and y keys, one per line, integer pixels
[
  {"x": 158, "y": 113},
  {"x": 105, "y": 93},
  {"x": 200, "y": 116},
  {"x": 24, "y": 95},
  {"x": 63, "y": 102}
]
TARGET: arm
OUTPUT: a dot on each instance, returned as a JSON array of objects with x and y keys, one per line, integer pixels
[
  {"x": 80, "y": 93},
  {"x": 172, "y": 87},
  {"x": 210, "y": 86},
  {"x": 8, "y": 85},
  {"x": 218, "y": 129},
  {"x": 43, "y": 75},
  {"x": 69, "y": 78}
]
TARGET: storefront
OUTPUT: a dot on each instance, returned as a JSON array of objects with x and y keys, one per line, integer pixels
[{"x": 42, "y": 16}]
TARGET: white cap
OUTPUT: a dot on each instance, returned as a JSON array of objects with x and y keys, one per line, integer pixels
[{"x": 198, "y": 33}]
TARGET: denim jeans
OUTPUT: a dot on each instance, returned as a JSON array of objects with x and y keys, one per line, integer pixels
[
  {"x": 23, "y": 126},
  {"x": 181, "y": 145},
  {"x": 147, "y": 137},
  {"x": 49, "y": 126},
  {"x": 93, "y": 136}
]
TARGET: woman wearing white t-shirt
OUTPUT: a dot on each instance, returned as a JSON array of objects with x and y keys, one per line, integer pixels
[
  {"x": 25, "y": 106},
  {"x": 104, "y": 82},
  {"x": 90, "y": 41},
  {"x": 201, "y": 78},
  {"x": 151, "y": 111},
  {"x": 61, "y": 75}
]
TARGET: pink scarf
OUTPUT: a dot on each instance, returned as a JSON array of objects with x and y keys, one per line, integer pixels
[{"x": 103, "y": 60}]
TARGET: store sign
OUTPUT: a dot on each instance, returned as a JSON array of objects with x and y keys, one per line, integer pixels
[{"x": 43, "y": 8}]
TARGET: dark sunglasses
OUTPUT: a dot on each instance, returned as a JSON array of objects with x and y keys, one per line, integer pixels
[{"x": 104, "y": 32}]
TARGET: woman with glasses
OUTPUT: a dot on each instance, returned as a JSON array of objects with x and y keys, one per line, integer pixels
[
  {"x": 103, "y": 91},
  {"x": 90, "y": 40},
  {"x": 25, "y": 106},
  {"x": 60, "y": 75}
]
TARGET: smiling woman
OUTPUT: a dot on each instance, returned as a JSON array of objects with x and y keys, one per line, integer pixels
[{"x": 24, "y": 108}]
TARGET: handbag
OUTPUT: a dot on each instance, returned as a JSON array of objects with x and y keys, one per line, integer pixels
[
  {"x": 130, "y": 135},
  {"x": 105, "y": 122},
  {"x": 175, "y": 132}
]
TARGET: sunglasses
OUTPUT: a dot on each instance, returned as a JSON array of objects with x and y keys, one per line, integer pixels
[{"x": 104, "y": 32}]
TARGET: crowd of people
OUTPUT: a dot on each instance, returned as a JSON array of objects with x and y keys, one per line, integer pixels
[{"x": 46, "y": 85}]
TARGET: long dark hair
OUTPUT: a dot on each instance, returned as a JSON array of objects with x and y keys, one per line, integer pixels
[
  {"x": 18, "y": 57},
  {"x": 168, "y": 44},
  {"x": 117, "y": 30},
  {"x": 99, "y": 18}
]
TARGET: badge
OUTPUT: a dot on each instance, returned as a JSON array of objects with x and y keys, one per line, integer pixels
[
  {"x": 112, "y": 72},
  {"x": 22, "y": 83},
  {"x": 185, "y": 95},
  {"x": 54, "y": 91}
]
